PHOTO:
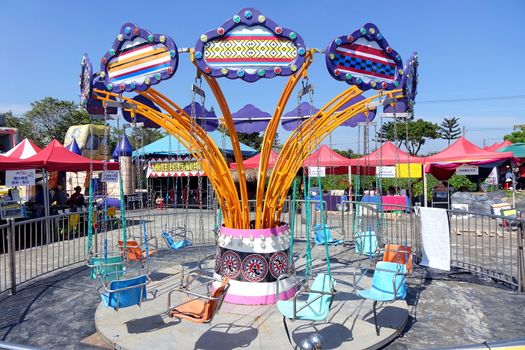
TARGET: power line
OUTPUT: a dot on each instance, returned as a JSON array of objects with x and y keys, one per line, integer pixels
[{"x": 474, "y": 99}]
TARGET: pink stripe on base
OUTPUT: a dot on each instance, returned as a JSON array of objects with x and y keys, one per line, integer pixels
[
  {"x": 259, "y": 300},
  {"x": 247, "y": 233}
]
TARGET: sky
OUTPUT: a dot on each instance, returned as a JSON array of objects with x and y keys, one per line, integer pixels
[{"x": 469, "y": 53}]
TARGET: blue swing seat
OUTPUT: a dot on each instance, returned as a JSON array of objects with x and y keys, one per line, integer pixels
[
  {"x": 106, "y": 266},
  {"x": 125, "y": 293},
  {"x": 366, "y": 243},
  {"x": 319, "y": 236},
  {"x": 175, "y": 245},
  {"x": 316, "y": 307},
  {"x": 388, "y": 285}
]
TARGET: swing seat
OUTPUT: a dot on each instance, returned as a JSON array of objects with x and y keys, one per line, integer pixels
[
  {"x": 320, "y": 235},
  {"x": 316, "y": 307},
  {"x": 175, "y": 245},
  {"x": 388, "y": 285},
  {"x": 135, "y": 252},
  {"x": 366, "y": 243},
  {"x": 106, "y": 266},
  {"x": 399, "y": 254},
  {"x": 125, "y": 293},
  {"x": 202, "y": 308}
]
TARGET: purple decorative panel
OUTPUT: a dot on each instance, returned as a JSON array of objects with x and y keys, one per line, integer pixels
[
  {"x": 365, "y": 59},
  {"x": 88, "y": 82},
  {"x": 410, "y": 79},
  {"x": 293, "y": 118},
  {"x": 249, "y": 46},
  {"x": 206, "y": 119},
  {"x": 250, "y": 119},
  {"x": 139, "y": 118},
  {"x": 138, "y": 59},
  {"x": 360, "y": 117}
]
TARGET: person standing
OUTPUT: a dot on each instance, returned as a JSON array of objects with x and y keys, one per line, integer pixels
[{"x": 77, "y": 199}]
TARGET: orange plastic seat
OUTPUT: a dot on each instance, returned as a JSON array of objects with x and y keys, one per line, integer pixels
[
  {"x": 399, "y": 254},
  {"x": 201, "y": 309},
  {"x": 135, "y": 252}
]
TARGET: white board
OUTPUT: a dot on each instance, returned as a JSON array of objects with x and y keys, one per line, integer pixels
[
  {"x": 317, "y": 171},
  {"x": 110, "y": 176},
  {"x": 466, "y": 169},
  {"x": 386, "y": 171},
  {"x": 15, "y": 178}
]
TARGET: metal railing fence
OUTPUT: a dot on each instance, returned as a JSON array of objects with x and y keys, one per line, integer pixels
[{"x": 487, "y": 245}]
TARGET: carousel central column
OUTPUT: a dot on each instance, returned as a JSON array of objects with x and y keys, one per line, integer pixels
[{"x": 253, "y": 259}]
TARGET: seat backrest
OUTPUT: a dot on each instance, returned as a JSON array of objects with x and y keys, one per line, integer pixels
[
  {"x": 106, "y": 266},
  {"x": 133, "y": 248},
  {"x": 399, "y": 254},
  {"x": 322, "y": 236},
  {"x": 366, "y": 243},
  {"x": 383, "y": 279},
  {"x": 128, "y": 297},
  {"x": 211, "y": 305},
  {"x": 322, "y": 283},
  {"x": 168, "y": 239}
]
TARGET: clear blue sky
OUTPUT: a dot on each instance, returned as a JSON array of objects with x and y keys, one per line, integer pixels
[{"x": 467, "y": 49}]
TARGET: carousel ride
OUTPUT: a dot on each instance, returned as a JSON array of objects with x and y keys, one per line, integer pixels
[{"x": 254, "y": 260}]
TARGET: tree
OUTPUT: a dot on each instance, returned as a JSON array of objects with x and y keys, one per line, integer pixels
[
  {"x": 411, "y": 133},
  {"x": 449, "y": 129},
  {"x": 50, "y": 119},
  {"x": 348, "y": 154},
  {"x": 253, "y": 139},
  {"x": 140, "y": 137},
  {"x": 516, "y": 136}
]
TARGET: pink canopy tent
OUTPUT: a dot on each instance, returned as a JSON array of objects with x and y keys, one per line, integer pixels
[
  {"x": 387, "y": 154},
  {"x": 498, "y": 145},
  {"x": 56, "y": 157},
  {"x": 253, "y": 162},
  {"x": 326, "y": 157},
  {"x": 443, "y": 164},
  {"x": 23, "y": 150}
]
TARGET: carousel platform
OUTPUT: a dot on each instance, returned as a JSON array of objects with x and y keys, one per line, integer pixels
[{"x": 350, "y": 324}]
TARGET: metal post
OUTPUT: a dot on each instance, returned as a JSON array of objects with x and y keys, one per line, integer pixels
[
  {"x": 425, "y": 186},
  {"x": 521, "y": 259},
  {"x": 12, "y": 260},
  {"x": 46, "y": 206}
]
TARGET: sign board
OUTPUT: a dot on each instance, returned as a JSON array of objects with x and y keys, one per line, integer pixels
[
  {"x": 492, "y": 179},
  {"x": 386, "y": 171},
  {"x": 169, "y": 167},
  {"x": 15, "y": 178},
  {"x": 110, "y": 176},
  {"x": 317, "y": 171},
  {"x": 413, "y": 171},
  {"x": 466, "y": 169}
]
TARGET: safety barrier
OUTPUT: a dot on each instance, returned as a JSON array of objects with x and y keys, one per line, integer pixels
[{"x": 486, "y": 245}]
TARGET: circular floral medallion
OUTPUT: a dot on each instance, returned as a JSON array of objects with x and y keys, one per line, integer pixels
[
  {"x": 278, "y": 264},
  {"x": 254, "y": 268},
  {"x": 218, "y": 262},
  {"x": 231, "y": 264}
]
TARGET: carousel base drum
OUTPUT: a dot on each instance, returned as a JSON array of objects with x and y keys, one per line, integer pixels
[{"x": 253, "y": 260}]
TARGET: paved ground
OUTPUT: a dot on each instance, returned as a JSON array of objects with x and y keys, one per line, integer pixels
[{"x": 57, "y": 312}]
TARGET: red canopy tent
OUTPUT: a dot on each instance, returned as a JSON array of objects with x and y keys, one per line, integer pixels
[
  {"x": 23, "y": 150},
  {"x": 386, "y": 155},
  {"x": 326, "y": 157},
  {"x": 496, "y": 146},
  {"x": 56, "y": 157},
  {"x": 253, "y": 162},
  {"x": 443, "y": 164}
]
